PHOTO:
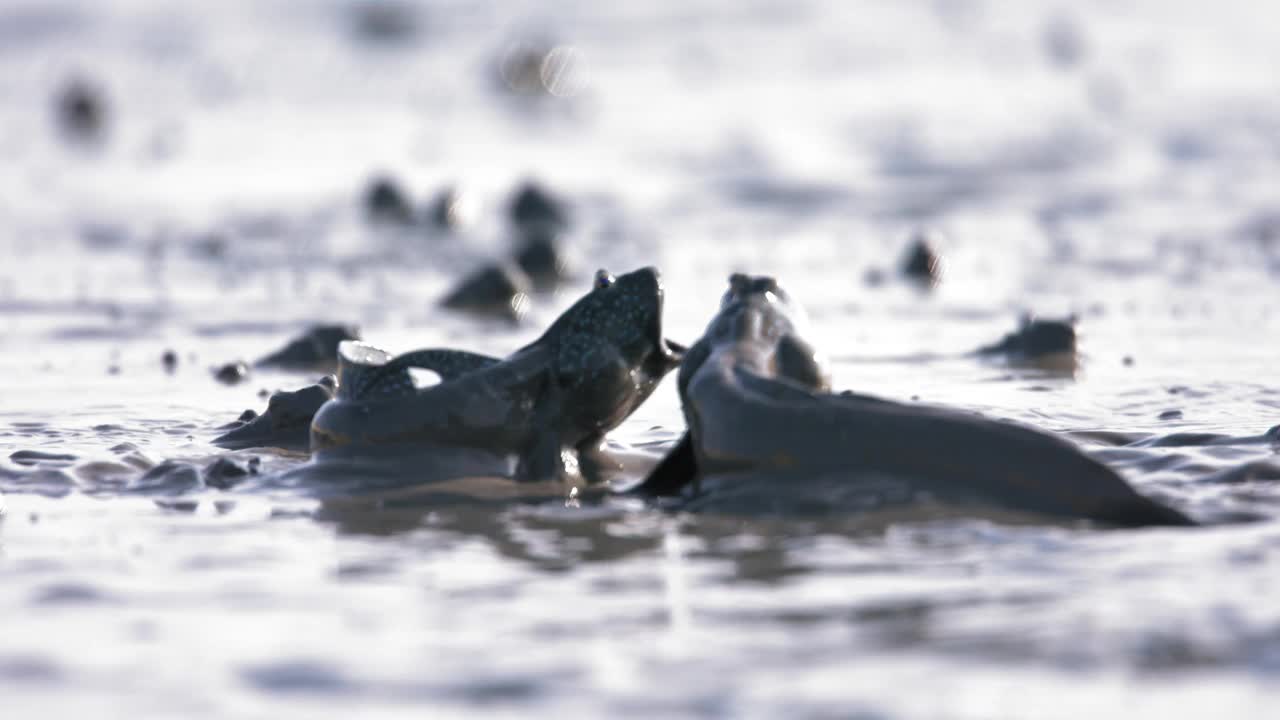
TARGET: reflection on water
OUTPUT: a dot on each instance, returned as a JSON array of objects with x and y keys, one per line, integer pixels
[{"x": 466, "y": 604}]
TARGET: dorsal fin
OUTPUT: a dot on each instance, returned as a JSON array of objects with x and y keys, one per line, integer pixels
[
  {"x": 448, "y": 364},
  {"x": 366, "y": 371}
]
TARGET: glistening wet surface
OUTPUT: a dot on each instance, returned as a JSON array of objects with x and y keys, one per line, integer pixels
[{"x": 1113, "y": 160}]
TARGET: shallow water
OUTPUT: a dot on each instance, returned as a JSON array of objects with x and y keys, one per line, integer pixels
[{"x": 1117, "y": 160}]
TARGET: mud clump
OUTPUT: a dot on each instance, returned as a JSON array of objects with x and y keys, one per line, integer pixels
[
  {"x": 540, "y": 258},
  {"x": 232, "y": 373},
  {"x": 495, "y": 290},
  {"x": 225, "y": 473},
  {"x": 386, "y": 203},
  {"x": 316, "y": 349},
  {"x": 447, "y": 211},
  {"x": 921, "y": 263},
  {"x": 168, "y": 478},
  {"x": 42, "y": 458},
  {"x": 385, "y": 21},
  {"x": 532, "y": 207},
  {"x": 81, "y": 110}
]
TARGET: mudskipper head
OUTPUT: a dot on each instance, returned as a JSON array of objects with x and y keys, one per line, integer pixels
[
  {"x": 1038, "y": 337},
  {"x": 285, "y": 424},
  {"x": 609, "y": 349},
  {"x": 762, "y": 292},
  {"x": 759, "y": 316}
]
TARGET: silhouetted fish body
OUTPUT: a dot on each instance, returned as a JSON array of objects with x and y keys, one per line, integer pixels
[
  {"x": 758, "y": 408},
  {"x": 554, "y": 398}
]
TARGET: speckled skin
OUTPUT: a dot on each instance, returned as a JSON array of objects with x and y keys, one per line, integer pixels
[
  {"x": 587, "y": 373},
  {"x": 758, "y": 406},
  {"x": 368, "y": 380}
]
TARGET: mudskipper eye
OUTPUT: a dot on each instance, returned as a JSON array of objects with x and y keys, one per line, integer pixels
[{"x": 603, "y": 279}]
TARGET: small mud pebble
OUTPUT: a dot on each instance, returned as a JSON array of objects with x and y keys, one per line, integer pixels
[
  {"x": 264, "y": 393},
  {"x": 183, "y": 506},
  {"x": 385, "y": 202},
  {"x": 1127, "y": 361},
  {"x": 541, "y": 70},
  {"x": 1064, "y": 42},
  {"x": 212, "y": 246},
  {"x": 168, "y": 478},
  {"x": 446, "y": 211},
  {"x": 170, "y": 361},
  {"x": 224, "y": 474},
  {"x": 113, "y": 369},
  {"x": 315, "y": 349},
  {"x": 1171, "y": 415},
  {"x": 921, "y": 262},
  {"x": 232, "y": 373},
  {"x": 33, "y": 457},
  {"x": 873, "y": 277},
  {"x": 82, "y": 110},
  {"x": 520, "y": 68},
  {"x": 540, "y": 258},
  {"x": 492, "y": 290},
  {"x": 532, "y": 207},
  {"x": 385, "y": 20}
]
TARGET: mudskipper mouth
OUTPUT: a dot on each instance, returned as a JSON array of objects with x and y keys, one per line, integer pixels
[
  {"x": 244, "y": 436},
  {"x": 668, "y": 351}
]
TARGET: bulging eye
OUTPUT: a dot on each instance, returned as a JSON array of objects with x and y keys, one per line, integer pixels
[{"x": 603, "y": 279}]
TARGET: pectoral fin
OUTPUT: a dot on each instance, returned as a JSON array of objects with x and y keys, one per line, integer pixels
[
  {"x": 675, "y": 472},
  {"x": 542, "y": 460}
]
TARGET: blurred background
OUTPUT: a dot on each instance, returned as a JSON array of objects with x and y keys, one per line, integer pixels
[
  {"x": 207, "y": 177},
  {"x": 1123, "y": 131}
]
